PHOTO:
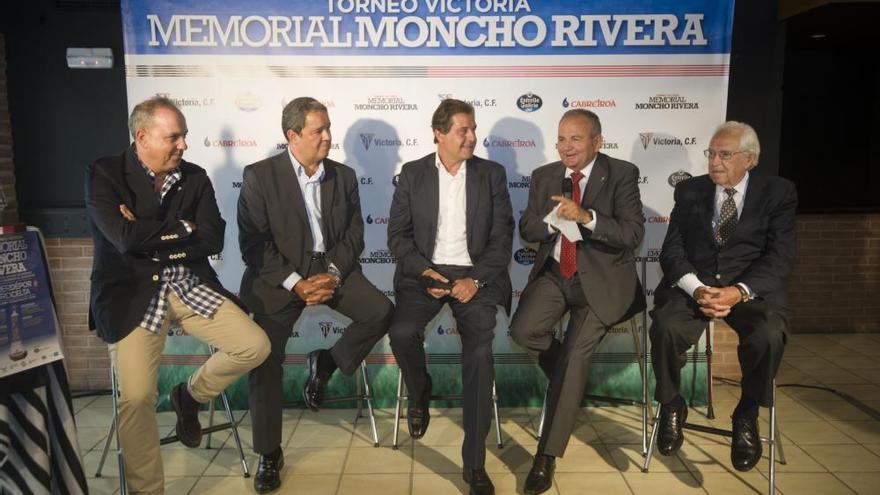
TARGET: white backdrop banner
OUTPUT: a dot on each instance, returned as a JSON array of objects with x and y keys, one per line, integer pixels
[{"x": 655, "y": 72}]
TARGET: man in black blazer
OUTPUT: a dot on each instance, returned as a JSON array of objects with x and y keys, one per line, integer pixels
[
  {"x": 594, "y": 278},
  {"x": 451, "y": 230},
  {"x": 154, "y": 222},
  {"x": 727, "y": 254},
  {"x": 301, "y": 232}
]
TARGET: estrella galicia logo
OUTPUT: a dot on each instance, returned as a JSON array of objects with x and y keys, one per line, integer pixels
[
  {"x": 678, "y": 176},
  {"x": 366, "y": 140},
  {"x": 525, "y": 256},
  {"x": 247, "y": 101},
  {"x": 529, "y": 102}
]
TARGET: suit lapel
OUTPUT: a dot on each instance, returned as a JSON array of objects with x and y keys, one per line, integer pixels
[
  {"x": 596, "y": 182},
  {"x": 146, "y": 204},
  {"x": 751, "y": 203},
  {"x": 289, "y": 190},
  {"x": 328, "y": 192},
  {"x": 431, "y": 195},
  {"x": 708, "y": 202},
  {"x": 472, "y": 181}
]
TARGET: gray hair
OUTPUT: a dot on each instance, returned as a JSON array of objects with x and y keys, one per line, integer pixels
[
  {"x": 142, "y": 115},
  {"x": 293, "y": 117},
  {"x": 591, "y": 117},
  {"x": 748, "y": 138}
]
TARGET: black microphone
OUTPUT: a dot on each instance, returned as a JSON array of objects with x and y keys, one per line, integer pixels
[{"x": 566, "y": 187}]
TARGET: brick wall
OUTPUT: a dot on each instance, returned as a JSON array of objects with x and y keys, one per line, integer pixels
[
  {"x": 70, "y": 261},
  {"x": 7, "y": 173},
  {"x": 835, "y": 285}
]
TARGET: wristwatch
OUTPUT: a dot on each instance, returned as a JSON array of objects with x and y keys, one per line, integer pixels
[
  {"x": 479, "y": 284},
  {"x": 744, "y": 293}
]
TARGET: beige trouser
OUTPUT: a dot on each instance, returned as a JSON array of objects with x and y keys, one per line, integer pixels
[{"x": 241, "y": 346}]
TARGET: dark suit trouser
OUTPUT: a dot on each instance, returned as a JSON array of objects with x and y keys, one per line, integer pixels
[
  {"x": 545, "y": 299},
  {"x": 678, "y": 324},
  {"x": 476, "y": 324},
  {"x": 357, "y": 299}
]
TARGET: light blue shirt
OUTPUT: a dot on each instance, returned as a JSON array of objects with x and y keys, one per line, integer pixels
[{"x": 311, "y": 192}]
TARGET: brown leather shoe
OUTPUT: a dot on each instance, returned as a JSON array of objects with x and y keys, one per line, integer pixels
[{"x": 188, "y": 429}]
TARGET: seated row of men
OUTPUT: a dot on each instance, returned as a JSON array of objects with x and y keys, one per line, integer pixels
[{"x": 155, "y": 222}]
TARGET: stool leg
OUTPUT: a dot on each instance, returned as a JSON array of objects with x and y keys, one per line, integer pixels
[
  {"x": 110, "y": 434},
  {"x": 497, "y": 420},
  {"x": 543, "y": 412},
  {"x": 643, "y": 375},
  {"x": 210, "y": 422},
  {"x": 234, "y": 426},
  {"x": 119, "y": 458},
  {"x": 397, "y": 408},
  {"x": 368, "y": 398},
  {"x": 772, "y": 488},
  {"x": 653, "y": 441},
  {"x": 710, "y": 410}
]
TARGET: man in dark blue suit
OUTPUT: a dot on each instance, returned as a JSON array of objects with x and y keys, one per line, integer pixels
[{"x": 727, "y": 254}]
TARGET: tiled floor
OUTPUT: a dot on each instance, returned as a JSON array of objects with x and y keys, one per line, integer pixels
[{"x": 831, "y": 446}]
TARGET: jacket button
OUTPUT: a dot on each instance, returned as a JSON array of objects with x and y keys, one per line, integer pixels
[
  {"x": 717, "y": 276},
  {"x": 155, "y": 278}
]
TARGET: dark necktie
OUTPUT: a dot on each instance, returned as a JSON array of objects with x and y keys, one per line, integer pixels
[
  {"x": 727, "y": 218},
  {"x": 568, "y": 252}
]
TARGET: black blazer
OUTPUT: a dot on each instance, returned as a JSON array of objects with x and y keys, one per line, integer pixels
[
  {"x": 125, "y": 274},
  {"x": 412, "y": 226},
  {"x": 274, "y": 232},
  {"x": 605, "y": 258},
  {"x": 760, "y": 251}
]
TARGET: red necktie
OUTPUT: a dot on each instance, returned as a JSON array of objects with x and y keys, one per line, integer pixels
[{"x": 568, "y": 252}]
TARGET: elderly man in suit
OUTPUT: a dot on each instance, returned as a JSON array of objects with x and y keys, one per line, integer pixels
[
  {"x": 154, "y": 222},
  {"x": 451, "y": 230},
  {"x": 593, "y": 278},
  {"x": 727, "y": 254},
  {"x": 301, "y": 232}
]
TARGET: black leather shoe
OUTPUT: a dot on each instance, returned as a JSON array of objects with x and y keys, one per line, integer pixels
[
  {"x": 188, "y": 429},
  {"x": 478, "y": 480},
  {"x": 313, "y": 390},
  {"x": 540, "y": 478},
  {"x": 418, "y": 415},
  {"x": 670, "y": 436},
  {"x": 745, "y": 447},
  {"x": 268, "y": 472}
]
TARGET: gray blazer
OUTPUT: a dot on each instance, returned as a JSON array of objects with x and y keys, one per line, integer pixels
[
  {"x": 274, "y": 233},
  {"x": 412, "y": 227},
  {"x": 605, "y": 259}
]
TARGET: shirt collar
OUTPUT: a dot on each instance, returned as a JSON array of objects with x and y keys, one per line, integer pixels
[
  {"x": 462, "y": 170},
  {"x": 584, "y": 171},
  {"x": 740, "y": 187},
  {"x": 176, "y": 173},
  {"x": 301, "y": 171}
]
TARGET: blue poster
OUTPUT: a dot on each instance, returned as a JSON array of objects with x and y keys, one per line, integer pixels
[{"x": 28, "y": 326}]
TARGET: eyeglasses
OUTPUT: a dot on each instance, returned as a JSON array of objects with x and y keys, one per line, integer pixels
[{"x": 724, "y": 154}]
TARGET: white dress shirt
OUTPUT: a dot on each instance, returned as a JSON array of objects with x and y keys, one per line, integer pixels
[
  {"x": 582, "y": 185},
  {"x": 450, "y": 247},
  {"x": 689, "y": 282},
  {"x": 311, "y": 192}
]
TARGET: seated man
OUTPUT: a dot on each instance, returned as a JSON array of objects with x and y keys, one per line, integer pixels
[
  {"x": 727, "y": 254},
  {"x": 451, "y": 230},
  {"x": 152, "y": 240}
]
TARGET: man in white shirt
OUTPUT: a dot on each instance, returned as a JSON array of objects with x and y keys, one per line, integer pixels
[
  {"x": 727, "y": 254},
  {"x": 594, "y": 278},
  {"x": 451, "y": 230},
  {"x": 301, "y": 232}
]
